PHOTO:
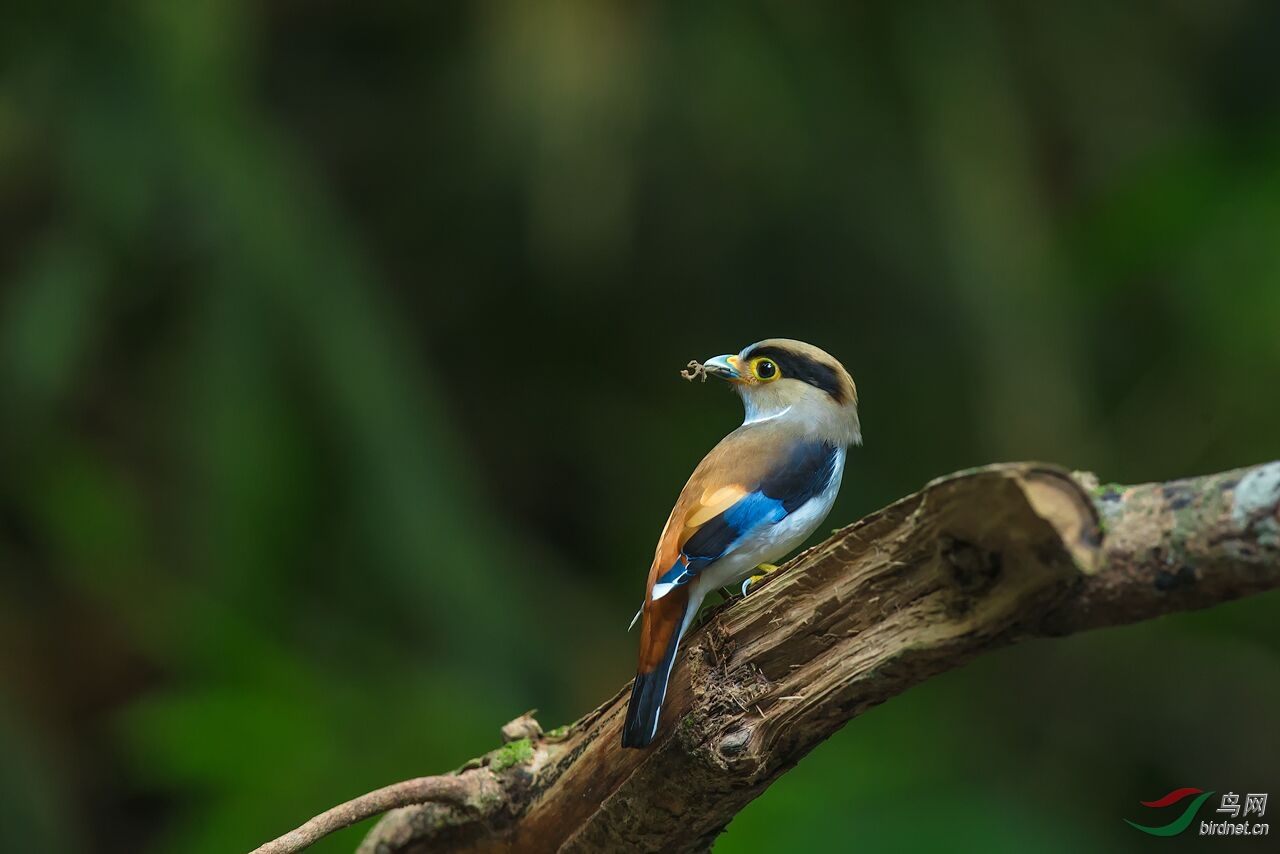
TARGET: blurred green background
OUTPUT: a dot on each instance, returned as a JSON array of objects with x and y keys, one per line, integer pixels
[{"x": 338, "y": 353}]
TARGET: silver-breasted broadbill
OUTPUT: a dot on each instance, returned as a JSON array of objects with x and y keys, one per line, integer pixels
[{"x": 759, "y": 494}]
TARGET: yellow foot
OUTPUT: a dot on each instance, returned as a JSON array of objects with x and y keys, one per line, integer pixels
[{"x": 762, "y": 572}]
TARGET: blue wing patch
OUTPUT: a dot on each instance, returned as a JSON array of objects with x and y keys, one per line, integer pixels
[
  {"x": 806, "y": 473},
  {"x": 678, "y": 574},
  {"x": 752, "y": 510}
]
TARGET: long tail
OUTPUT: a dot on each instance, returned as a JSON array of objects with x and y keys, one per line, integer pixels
[
  {"x": 646, "y": 701},
  {"x": 664, "y": 622}
]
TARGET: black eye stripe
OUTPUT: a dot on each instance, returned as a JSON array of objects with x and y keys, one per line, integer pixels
[{"x": 798, "y": 367}]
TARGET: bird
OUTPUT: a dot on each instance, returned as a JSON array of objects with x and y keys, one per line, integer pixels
[{"x": 756, "y": 496}]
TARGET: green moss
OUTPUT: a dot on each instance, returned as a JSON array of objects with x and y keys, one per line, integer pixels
[
  {"x": 1108, "y": 490},
  {"x": 557, "y": 733},
  {"x": 515, "y": 753},
  {"x": 1106, "y": 497}
]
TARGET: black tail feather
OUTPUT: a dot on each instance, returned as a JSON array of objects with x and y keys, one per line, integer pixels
[{"x": 647, "y": 694}]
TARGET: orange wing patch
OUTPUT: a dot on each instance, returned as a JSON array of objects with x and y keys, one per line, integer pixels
[{"x": 710, "y": 505}]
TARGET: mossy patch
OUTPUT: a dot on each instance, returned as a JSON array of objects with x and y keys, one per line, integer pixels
[
  {"x": 516, "y": 753},
  {"x": 1109, "y": 491},
  {"x": 1108, "y": 499}
]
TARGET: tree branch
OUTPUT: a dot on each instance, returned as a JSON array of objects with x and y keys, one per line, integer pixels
[
  {"x": 971, "y": 563},
  {"x": 463, "y": 792}
]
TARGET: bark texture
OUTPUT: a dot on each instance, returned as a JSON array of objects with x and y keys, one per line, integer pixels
[{"x": 970, "y": 563}]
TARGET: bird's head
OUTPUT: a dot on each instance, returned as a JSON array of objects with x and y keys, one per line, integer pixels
[{"x": 784, "y": 378}]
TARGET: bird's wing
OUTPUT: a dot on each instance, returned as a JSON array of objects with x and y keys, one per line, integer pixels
[{"x": 752, "y": 479}]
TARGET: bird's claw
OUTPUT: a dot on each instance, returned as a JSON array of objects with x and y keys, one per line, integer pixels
[{"x": 762, "y": 572}]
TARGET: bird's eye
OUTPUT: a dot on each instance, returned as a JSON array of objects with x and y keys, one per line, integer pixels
[{"x": 764, "y": 369}]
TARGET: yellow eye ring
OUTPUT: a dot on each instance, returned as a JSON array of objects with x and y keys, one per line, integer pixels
[{"x": 765, "y": 369}]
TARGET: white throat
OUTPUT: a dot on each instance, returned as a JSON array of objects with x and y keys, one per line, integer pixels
[
  {"x": 812, "y": 415},
  {"x": 755, "y": 416}
]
